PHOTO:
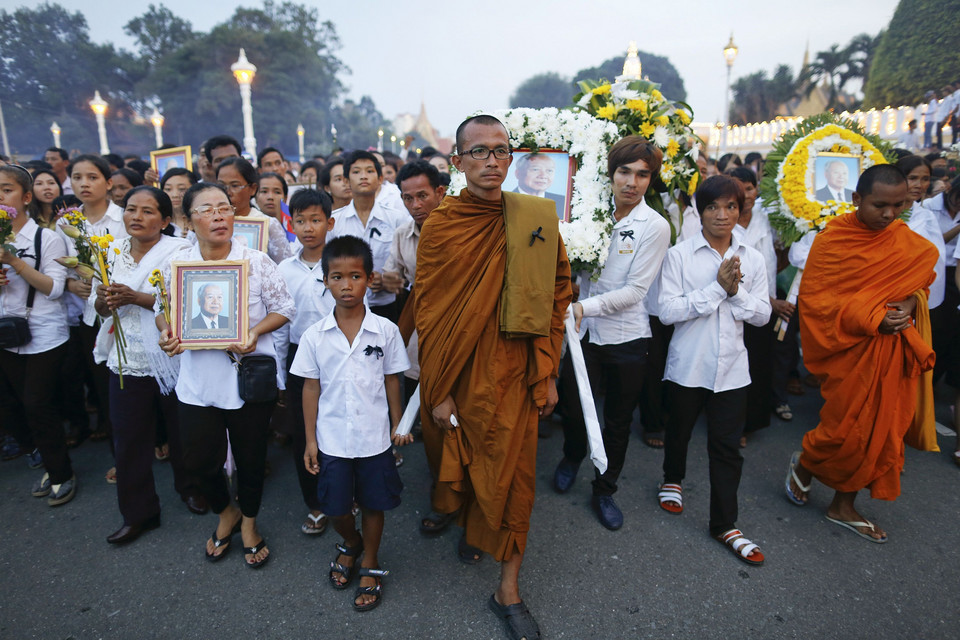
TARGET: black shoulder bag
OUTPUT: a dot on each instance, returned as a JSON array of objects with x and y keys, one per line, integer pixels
[
  {"x": 257, "y": 377},
  {"x": 14, "y": 330}
]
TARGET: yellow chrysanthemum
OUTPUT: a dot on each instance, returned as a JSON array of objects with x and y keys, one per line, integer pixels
[
  {"x": 647, "y": 129},
  {"x": 607, "y": 111},
  {"x": 664, "y": 120},
  {"x": 672, "y": 148},
  {"x": 657, "y": 95},
  {"x": 601, "y": 90},
  {"x": 637, "y": 104},
  {"x": 684, "y": 116},
  {"x": 694, "y": 180}
]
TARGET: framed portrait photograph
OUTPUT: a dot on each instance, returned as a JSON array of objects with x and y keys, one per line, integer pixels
[
  {"x": 544, "y": 173},
  {"x": 208, "y": 303},
  {"x": 252, "y": 232},
  {"x": 162, "y": 160},
  {"x": 835, "y": 176}
]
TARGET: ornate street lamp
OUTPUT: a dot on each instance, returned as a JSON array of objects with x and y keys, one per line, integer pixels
[
  {"x": 55, "y": 130},
  {"x": 244, "y": 71},
  {"x": 157, "y": 119},
  {"x": 99, "y": 106},
  {"x": 300, "y": 134},
  {"x": 729, "y": 54}
]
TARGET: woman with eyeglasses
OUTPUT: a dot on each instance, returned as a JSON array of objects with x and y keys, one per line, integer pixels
[
  {"x": 210, "y": 406},
  {"x": 242, "y": 183}
]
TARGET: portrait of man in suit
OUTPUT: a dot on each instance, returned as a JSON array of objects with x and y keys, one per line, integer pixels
[
  {"x": 210, "y": 301},
  {"x": 535, "y": 173},
  {"x": 836, "y": 174}
]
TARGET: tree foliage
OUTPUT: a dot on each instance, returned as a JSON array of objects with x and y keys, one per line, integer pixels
[
  {"x": 543, "y": 90},
  {"x": 756, "y": 97},
  {"x": 920, "y": 50},
  {"x": 840, "y": 66}
]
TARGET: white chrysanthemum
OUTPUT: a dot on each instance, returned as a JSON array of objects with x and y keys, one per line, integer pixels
[{"x": 661, "y": 137}]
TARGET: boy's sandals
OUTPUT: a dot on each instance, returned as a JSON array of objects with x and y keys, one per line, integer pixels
[
  {"x": 314, "y": 525},
  {"x": 671, "y": 498},
  {"x": 375, "y": 590},
  {"x": 346, "y": 572},
  {"x": 741, "y": 547},
  {"x": 792, "y": 475},
  {"x": 855, "y": 527}
]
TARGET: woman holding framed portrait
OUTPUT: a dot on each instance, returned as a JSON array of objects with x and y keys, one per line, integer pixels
[
  {"x": 146, "y": 390},
  {"x": 241, "y": 181},
  {"x": 208, "y": 390}
]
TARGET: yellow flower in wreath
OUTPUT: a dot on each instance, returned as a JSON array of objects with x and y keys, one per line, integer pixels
[
  {"x": 684, "y": 116},
  {"x": 607, "y": 111},
  {"x": 694, "y": 180},
  {"x": 601, "y": 90},
  {"x": 664, "y": 120},
  {"x": 637, "y": 104},
  {"x": 647, "y": 129},
  {"x": 672, "y": 147}
]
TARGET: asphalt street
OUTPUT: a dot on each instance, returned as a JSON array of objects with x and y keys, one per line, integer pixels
[{"x": 660, "y": 576}]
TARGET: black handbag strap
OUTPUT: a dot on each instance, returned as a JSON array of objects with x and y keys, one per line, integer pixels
[{"x": 36, "y": 248}]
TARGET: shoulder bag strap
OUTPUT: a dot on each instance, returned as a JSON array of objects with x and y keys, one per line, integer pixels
[{"x": 37, "y": 239}]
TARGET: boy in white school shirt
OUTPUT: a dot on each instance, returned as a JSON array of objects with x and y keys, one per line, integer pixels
[
  {"x": 709, "y": 286},
  {"x": 352, "y": 356}
]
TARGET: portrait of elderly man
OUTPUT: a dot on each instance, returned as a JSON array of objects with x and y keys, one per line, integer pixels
[
  {"x": 837, "y": 175},
  {"x": 210, "y": 300},
  {"x": 535, "y": 173}
]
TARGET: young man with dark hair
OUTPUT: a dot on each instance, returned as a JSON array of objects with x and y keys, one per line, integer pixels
[
  {"x": 59, "y": 161},
  {"x": 271, "y": 160},
  {"x": 219, "y": 148},
  {"x": 614, "y": 329},
  {"x": 866, "y": 335},
  {"x": 709, "y": 286}
]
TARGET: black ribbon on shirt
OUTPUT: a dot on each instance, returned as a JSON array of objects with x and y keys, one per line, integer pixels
[
  {"x": 536, "y": 234},
  {"x": 22, "y": 253},
  {"x": 371, "y": 350},
  {"x": 374, "y": 230},
  {"x": 626, "y": 234}
]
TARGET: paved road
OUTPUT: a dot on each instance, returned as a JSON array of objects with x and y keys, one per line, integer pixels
[{"x": 660, "y": 576}]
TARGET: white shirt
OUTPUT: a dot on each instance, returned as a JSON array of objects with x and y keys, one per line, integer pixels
[
  {"x": 613, "y": 310},
  {"x": 800, "y": 250},
  {"x": 48, "y": 320},
  {"x": 391, "y": 198},
  {"x": 931, "y": 114},
  {"x": 67, "y": 186},
  {"x": 208, "y": 377},
  {"x": 946, "y": 106},
  {"x": 910, "y": 140},
  {"x": 378, "y": 233},
  {"x": 924, "y": 223},
  {"x": 403, "y": 251},
  {"x": 690, "y": 226},
  {"x": 305, "y": 284},
  {"x": 759, "y": 235},
  {"x": 278, "y": 247},
  {"x": 946, "y": 222},
  {"x": 353, "y": 417},
  {"x": 707, "y": 345}
]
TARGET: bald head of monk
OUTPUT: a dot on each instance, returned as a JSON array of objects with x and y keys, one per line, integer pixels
[
  {"x": 483, "y": 155},
  {"x": 881, "y": 196}
]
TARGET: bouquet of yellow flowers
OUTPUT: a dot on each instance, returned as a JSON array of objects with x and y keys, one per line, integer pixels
[
  {"x": 7, "y": 214},
  {"x": 156, "y": 279}
]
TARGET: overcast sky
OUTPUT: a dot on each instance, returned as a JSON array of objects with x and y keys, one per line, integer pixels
[{"x": 462, "y": 56}]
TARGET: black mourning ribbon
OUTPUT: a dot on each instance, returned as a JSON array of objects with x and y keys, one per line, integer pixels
[
  {"x": 22, "y": 253},
  {"x": 626, "y": 234},
  {"x": 370, "y": 350},
  {"x": 374, "y": 230},
  {"x": 536, "y": 234}
]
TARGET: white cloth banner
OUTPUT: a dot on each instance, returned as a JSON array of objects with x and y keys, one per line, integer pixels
[
  {"x": 594, "y": 435},
  {"x": 409, "y": 414}
]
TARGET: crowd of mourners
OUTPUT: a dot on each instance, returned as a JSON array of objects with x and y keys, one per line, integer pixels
[{"x": 696, "y": 312}]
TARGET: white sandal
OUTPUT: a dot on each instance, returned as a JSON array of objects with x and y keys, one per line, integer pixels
[
  {"x": 317, "y": 528},
  {"x": 741, "y": 546},
  {"x": 671, "y": 493},
  {"x": 792, "y": 475}
]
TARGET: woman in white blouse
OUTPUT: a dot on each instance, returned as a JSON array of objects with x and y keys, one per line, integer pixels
[
  {"x": 149, "y": 376},
  {"x": 28, "y": 372},
  {"x": 207, "y": 388}
]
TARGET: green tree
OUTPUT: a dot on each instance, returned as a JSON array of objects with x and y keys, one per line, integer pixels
[
  {"x": 756, "y": 97},
  {"x": 158, "y": 32},
  {"x": 543, "y": 90},
  {"x": 920, "y": 50},
  {"x": 657, "y": 68},
  {"x": 357, "y": 124}
]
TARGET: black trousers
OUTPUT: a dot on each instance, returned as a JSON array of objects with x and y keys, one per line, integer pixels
[
  {"x": 786, "y": 356},
  {"x": 204, "y": 433},
  {"x": 390, "y": 311},
  {"x": 71, "y": 399},
  {"x": 725, "y": 413},
  {"x": 100, "y": 375},
  {"x": 759, "y": 344},
  {"x": 653, "y": 397},
  {"x": 134, "y": 412},
  {"x": 28, "y": 407},
  {"x": 298, "y": 434},
  {"x": 945, "y": 326},
  {"x": 618, "y": 369}
]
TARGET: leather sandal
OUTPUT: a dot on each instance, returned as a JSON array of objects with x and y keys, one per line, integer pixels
[
  {"x": 671, "y": 498},
  {"x": 346, "y": 572}
]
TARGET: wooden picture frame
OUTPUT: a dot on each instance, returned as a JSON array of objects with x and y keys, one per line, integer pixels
[
  {"x": 252, "y": 231},
  {"x": 555, "y": 183},
  {"x": 200, "y": 291},
  {"x": 161, "y": 160}
]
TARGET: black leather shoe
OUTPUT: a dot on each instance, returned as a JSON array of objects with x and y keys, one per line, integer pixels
[
  {"x": 608, "y": 512},
  {"x": 130, "y": 532},
  {"x": 564, "y": 476},
  {"x": 197, "y": 504}
]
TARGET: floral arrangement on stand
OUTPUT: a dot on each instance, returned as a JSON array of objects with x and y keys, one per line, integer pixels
[
  {"x": 91, "y": 263},
  {"x": 787, "y": 185},
  {"x": 637, "y": 107},
  {"x": 587, "y": 235}
]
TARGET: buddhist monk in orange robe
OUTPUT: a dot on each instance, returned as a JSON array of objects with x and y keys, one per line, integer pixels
[
  {"x": 484, "y": 391},
  {"x": 860, "y": 326}
]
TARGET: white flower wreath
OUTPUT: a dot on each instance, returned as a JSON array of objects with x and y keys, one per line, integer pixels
[{"x": 587, "y": 235}]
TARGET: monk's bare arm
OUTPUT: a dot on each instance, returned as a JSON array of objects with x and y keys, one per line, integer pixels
[
  {"x": 899, "y": 316},
  {"x": 445, "y": 414}
]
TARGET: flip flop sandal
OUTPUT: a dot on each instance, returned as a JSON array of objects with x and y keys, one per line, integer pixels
[
  {"x": 792, "y": 475},
  {"x": 439, "y": 522},
  {"x": 741, "y": 547},
  {"x": 466, "y": 553},
  {"x": 517, "y": 619},
  {"x": 783, "y": 412},
  {"x": 111, "y": 476},
  {"x": 254, "y": 551},
  {"x": 319, "y": 525},
  {"x": 671, "y": 498},
  {"x": 376, "y": 590},
  {"x": 650, "y": 437},
  {"x": 223, "y": 542},
  {"x": 162, "y": 453},
  {"x": 346, "y": 572},
  {"x": 853, "y": 526}
]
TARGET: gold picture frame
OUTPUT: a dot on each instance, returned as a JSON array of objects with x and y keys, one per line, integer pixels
[
  {"x": 162, "y": 160},
  {"x": 209, "y": 303}
]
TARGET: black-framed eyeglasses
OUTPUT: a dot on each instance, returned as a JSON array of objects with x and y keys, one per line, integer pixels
[{"x": 482, "y": 153}]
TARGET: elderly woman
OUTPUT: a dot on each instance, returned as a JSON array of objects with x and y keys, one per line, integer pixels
[
  {"x": 207, "y": 389},
  {"x": 148, "y": 375}
]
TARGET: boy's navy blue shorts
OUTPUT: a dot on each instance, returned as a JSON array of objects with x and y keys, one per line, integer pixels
[{"x": 372, "y": 482}]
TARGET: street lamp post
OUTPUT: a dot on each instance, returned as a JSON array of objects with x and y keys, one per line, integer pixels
[
  {"x": 300, "y": 134},
  {"x": 393, "y": 144},
  {"x": 157, "y": 119},
  {"x": 243, "y": 70},
  {"x": 99, "y": 106},
  {"x": 55, "y": 130},
  {"x": 380, "y": 140},
  {"x": 333, "y": 133},
  {"x": 729, "y": 54}
]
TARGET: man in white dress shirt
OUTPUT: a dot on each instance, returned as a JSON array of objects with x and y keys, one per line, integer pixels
[
  {"x": 709, "y": 286},
  {"x": 614, "y": 330}
]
